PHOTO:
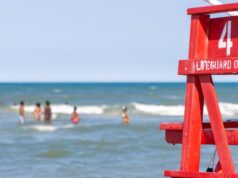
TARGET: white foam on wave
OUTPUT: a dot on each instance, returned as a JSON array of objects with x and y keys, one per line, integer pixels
[
  {"x": 227, "y": 109},
  {"x": 153, "y": 87},
  {"x": 67, "y": 109},
  {"x": 173, "y": 110},
  {"x": 48, "y": 128},
  {"x": 57, "y": 90}
]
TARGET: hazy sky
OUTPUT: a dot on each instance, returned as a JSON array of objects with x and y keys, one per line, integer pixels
[{"x": 93, "y": 40}]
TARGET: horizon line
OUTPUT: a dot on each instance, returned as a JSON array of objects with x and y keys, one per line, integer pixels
[{"x": 102, "y": 82}]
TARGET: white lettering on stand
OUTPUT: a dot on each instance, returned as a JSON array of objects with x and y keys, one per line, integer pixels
[
  {"x": 228, "y": 44},
  {"x": 206, "y": 65},
  {"x": 235, "y": 64}
]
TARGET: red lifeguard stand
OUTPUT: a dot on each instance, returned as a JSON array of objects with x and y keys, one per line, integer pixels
[{"x": 213, "y": 50}]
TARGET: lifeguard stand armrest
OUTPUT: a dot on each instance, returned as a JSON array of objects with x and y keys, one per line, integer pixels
[
  {"x": 213, "y": 9},
  {"x": 171, "y": 126},
  {"x": 173, "y": 132},
  {"x": 206, "y": 125}
]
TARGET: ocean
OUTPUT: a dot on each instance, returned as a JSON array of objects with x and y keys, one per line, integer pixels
[{"x": 100, "y": 146}]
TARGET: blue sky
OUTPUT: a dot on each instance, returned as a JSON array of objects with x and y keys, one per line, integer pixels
[{"x": 84, "y": 41}]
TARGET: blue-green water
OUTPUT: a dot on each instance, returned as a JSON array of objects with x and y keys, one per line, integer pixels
[{"x": 100, "y": 145}]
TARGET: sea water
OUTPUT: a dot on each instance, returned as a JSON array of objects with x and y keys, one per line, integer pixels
[{"x": 100, "y": 146}]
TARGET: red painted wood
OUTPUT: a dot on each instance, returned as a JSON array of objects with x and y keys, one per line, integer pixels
[
  {"x": 213, "y": 49},
  {"x": 216, "y": 28},
  {"x": 171, "y": 126},
  {"x": 175, "y": 137},
  {"x": 213, "y": 9},
  {"x": 190, "y": 174},
  {"x": 179, "y": 126},
  {"x": 217, "y": 124},
  {"x": 190, "y": 158},
  {"x": 218, "y": 167},
  {"x": 208, "y": 66}
]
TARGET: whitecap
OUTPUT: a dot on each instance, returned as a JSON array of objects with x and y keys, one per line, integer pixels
[
  {"x": 172, "y": 110},
  {"x": 57, "y": 90},
  {"x": 153, "y": 88},
  {"x": 66, "y": 109},
  {"x": 48, "y": 128},
  {"x": 227, "y": 109}
]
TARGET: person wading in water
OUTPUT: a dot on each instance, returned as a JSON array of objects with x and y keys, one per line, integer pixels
[{"x": 47, "y": 112}]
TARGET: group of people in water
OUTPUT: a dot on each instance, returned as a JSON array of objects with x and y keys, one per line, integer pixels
[{"x": 47, "y": 113}]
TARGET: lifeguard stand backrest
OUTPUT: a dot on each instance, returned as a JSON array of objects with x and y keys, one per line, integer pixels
[{"x": 222, "y": 39}]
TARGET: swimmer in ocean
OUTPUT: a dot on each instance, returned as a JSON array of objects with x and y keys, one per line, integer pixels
[
  {"x": 37, "y": 112},
  {"x": 22, "y": 112},
  {"x": 75, "y": 116},
  {"x": 47, "y": 112},
  {"x": 125, "y": 116}
]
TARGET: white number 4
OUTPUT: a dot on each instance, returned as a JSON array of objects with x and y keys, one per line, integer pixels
[{"x": 228, "y": 43}]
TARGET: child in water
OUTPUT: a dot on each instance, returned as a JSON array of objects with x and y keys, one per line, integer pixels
[
  {"x": 47, "y": 112},
  {"x": 75, "y": 116},
  {"x": 37, "y": 112},
  {"x": 22, "y": 112},
  {"x": 125, "y": 115}
]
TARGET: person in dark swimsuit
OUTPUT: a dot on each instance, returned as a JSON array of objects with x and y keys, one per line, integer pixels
[{"x": 47, "y": 112}]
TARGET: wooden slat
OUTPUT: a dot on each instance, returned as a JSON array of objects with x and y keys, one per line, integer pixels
[
  {"x": 187, "y": 174},
  {"x": 213, "y": 9},
  {"x": 208, "y": 66},
  {"x": 193, "y": 115},
  {"x": 171, "y": 126},
  {"x": 175, "y": 137},
  {"x": 206, "y": 125}
]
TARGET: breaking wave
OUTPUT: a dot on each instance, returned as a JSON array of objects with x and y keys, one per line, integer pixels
[
  {"x": 67, "y": 109},
  {"x": 57, "y": 90},
  {"x": 173, "y": 110},
  {"x": 48, "y": 128},
  {"x": 227, "y": 109}
]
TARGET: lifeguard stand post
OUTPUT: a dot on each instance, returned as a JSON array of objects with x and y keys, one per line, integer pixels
[{"x": 213, "y": 50}]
